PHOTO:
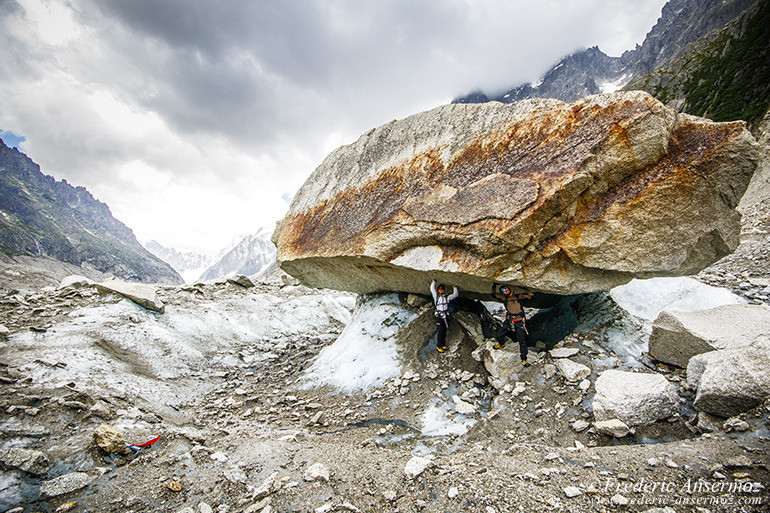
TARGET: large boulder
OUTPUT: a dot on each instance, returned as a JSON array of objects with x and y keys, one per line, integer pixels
[
  {"x": 678, "y": 336},
  {"x": 555, "y": 197},
  {"x": 731, "y": 381},
  {"x": 142, "y": 294},
  {"x": 635, "y": 398}
]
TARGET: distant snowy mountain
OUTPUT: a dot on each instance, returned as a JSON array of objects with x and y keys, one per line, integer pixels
[
  {"x": 189, "y": 264},
  {"x": 578, "y": 75},
  {"x": 250, "y": 257}
]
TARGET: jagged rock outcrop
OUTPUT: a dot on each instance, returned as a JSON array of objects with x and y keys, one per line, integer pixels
[
  {"x": 721, "y": 70},
  {"x": 559, "y": 198},
  {"x": 678, "y": 336}
]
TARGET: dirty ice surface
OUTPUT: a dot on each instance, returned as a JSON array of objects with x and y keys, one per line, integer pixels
[
  {"x": 365, "y": 354},
  {"x": 121, "y": 349},
  {"x": 437, "y": 421}
]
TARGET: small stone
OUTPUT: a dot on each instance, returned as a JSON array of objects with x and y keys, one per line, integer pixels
[
  {"x": 260, "y": 506},
  {"x": 174, "y": 486},
  {"x": 219, "y": 456},
  {"x": 389, "y": 495},
  {"x": 204, "y": 508},
  {"x": 317, "y": 472},
  {"x": 735, "y": 424},
  {"x": 619, "y": 500},
  {"x": 101, "y": 409},
  {"x": 416, "y": 466},
  {"x": 572, "y": 491},
  {"x": 110, "y": 439},
  {"x": 580, "y": 425},
  {"x": 67, "y": 506},
  {"x": 239, "y": 279},
  {"x": 612, "y": 427},
  {"x": 453, "y": 492},
  {"x": 317, "y": 418},
  {"x": 671, "y": 463},
  {"x": 32, "y": 461},
  {"x": 563, "y": 352},
  {"x": 572, "y": 371},
  {"x": 65, "y": 484},
  {"x": 463, "y": 407}
]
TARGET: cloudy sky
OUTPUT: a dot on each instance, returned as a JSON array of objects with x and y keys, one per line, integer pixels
[{"x": 197, "y": 120}]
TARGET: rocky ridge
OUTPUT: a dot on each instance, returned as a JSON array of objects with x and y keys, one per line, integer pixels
[
  {"x": 50, "y": 219},
  {"x": 676, "y": 37}
]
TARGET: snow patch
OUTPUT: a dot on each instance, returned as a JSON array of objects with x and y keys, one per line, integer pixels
[
  {"x": 648, "y": 298},
  {"x": 614, "y": 85}
]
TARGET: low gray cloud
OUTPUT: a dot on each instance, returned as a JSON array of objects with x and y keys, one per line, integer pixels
[{"x": 194, "y": 119}]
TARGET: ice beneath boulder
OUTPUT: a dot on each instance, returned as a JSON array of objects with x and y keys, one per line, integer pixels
[
  {"x": 647, "y": 298},
  {"x": 366, "y": 353}
]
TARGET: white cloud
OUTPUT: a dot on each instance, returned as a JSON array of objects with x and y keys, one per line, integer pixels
[{"x": 194, "y": 120}]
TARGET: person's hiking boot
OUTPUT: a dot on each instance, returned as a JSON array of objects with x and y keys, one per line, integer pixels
[
  {"x": 524, "y": 363},
  {"x": 440, "y": 349},
  {"x": 499, "y": 345}
]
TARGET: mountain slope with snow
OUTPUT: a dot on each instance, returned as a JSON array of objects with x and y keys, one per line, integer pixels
[{"x": 250, "y": 257}]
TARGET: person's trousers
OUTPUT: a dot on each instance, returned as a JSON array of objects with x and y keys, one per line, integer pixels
[
  {"x": 510, "y": 328},
  {"x": 442, "y": 325}
]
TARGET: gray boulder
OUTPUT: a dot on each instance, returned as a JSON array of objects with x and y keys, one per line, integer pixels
[
  {"x": 678, "y": 336},
  {"x": 554, "y": 197},
  {"x": 140, "y": 293},
  {"x": 239, "y": 279},
  {"x": 65, "y": 484},
  {"x": 76, "y": 282},
  {"x": 633, "y": 397},
  {"x": 32, "y": 461},
  {"x": 731, "y": 381}
]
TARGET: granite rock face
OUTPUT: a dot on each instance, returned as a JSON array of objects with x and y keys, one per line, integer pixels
[{"x": 555, "y": 197}]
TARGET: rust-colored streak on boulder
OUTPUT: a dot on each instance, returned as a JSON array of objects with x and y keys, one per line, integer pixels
[{"x": 555, "y": 197}]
